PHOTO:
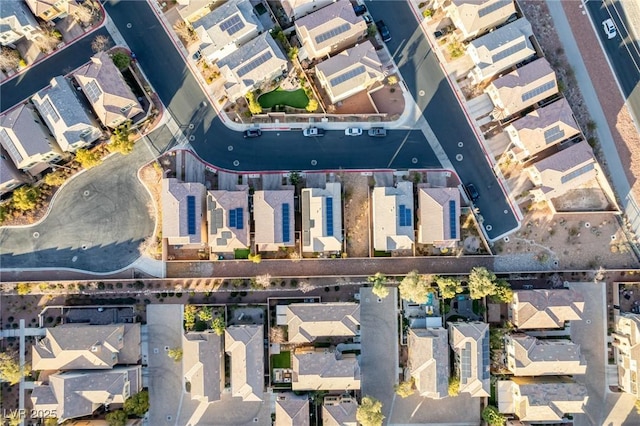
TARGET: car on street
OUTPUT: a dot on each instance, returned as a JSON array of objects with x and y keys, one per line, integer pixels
[
  {"x": 353, "y": 131},
  {"x": 313, "y": 131},
  {"x": 360, "y": 9},
  {"x": 384, "y": 31},
  {"x": 472, "y": 192},
  {"x": 252, "y": 133},
  {"x": 609, "y": 28},
  {"x": 377, "y": 132}
]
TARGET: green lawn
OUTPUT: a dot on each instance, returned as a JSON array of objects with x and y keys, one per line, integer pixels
[
  {"x": 241, "y": 253},
  {"x": 295, "y": 99},
  {"x": 282, "y": 360}
]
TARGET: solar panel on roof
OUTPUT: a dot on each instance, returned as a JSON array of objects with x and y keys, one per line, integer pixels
[
  {"x": 254, "y": 63},
  {"x": 191, "y": 215},
  {"x": 485, "y": 356},
  {"x": 48, "y": 110},
  {"x": 509, "y": 51},
  {"x": 452, "y": 219},
  {"x": 465, "y": 362},
  {"x": 332, "y": 33},
  {"x": 232, "y": 25},
  {"x": 286, "y": 234},
  {"x": 329, "y": 215},
  {"x": 574, "y": 174},
  {"x": 10, "y": 146},
  {"x": 408, "y": 217},
  {"x": 347, "y": 75},
  {"x": 538, "y": 90},
  {"x": 493, "y": 7},
  {"x": 93, "y": 91},
  {"x": 553, "y": 134},
  {"x": 239, "y": 218},
  {"x": 401, "y": 214},
  {"x": 232, "y": 218}
]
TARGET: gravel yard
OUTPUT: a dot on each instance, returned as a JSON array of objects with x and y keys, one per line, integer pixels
[{"x": 356, "y": 213}]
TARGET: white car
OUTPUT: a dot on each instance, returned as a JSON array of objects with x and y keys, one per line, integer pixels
[
  {"x": 609, "y": 28},
  {"x": 313, "y": 132},
  {"x": 353, "y": 131}
]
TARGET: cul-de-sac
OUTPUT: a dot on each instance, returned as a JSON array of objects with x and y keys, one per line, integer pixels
[{"x": 319, "y": 212}]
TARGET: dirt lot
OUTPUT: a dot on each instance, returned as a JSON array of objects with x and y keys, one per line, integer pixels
[{"x": 356, "y": 213}]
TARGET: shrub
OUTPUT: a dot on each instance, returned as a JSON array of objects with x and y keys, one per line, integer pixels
[
  {"x": 87, "y": 159},
  {"x": 121, "y": 60},
  {"x": 312, "y": 105},
  {"x": 25, "y": 198},
  {"x": 121, "y": 140},
  {"x": 55, "y": 178}
]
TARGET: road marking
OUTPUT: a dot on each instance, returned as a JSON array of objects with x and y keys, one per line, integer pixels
[{"x": 626, "y": 45}]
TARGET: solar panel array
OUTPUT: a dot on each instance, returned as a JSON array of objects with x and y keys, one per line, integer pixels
[
  {"x": 93, "y": 91},
  {"x": 574, "y": 174},
  {"x": 236, "y": 217},
  {"x": 452, "y": 219},
  {"x": 10, "y": 146},
  {"x": 404, "y": 215},
  {"x": 509, "y": 51},
  {"x": 493, "y": 7},
  {"x": 329, "y": 215},
  {"x": 539, "y": 90},
  {"x": 245, "y": 69},
  {"x": 485, "y": 356},
  {"x": 48, "y": 110},
  {"x": 191, "y": 215},
  {"x": 332, "y": 33},
  {"x": 553, "y": 134},
  {"x": 232, "y": 25},
  {"x": 465, "y": 362},
  {"x": 347, "y": 75},
  {"x": 286, "y": 231}
]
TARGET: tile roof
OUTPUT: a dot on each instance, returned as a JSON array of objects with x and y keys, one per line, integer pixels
[
  {"x": 9, "y": 174},
  {"x": 325, "y": 369},
  {"x": 175, "y": 211},
  {"x": 390, "y": 230},
  {"x": 439, "y": 222},
  {"x": 38, "y": 7},
  {"x": 268, "y": 207},
  {"x": 307, "y": 321},
  {"x": 429, "y": 361},
  {"x": 339, "y": 411},
  {"x": 298, "y": 8},
  {"x": 475, "y": 16},
  {"x": 244, "y": 344},
  {"x": 321, "y": 222},
  {"x": 529, "y": 356},
  {"x": 470, "y": 342},
  {"x": 225, "y": 236},
  {"x": 292, "y": 410},
  {"x": 202, "y": 365},
  {"x": 16, "y": 15},
  {"x": 545, "y": 308},
  {"x": 113, "y": 94}
]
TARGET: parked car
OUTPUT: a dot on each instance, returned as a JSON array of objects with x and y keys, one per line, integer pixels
[
  {"x": 443, "y": 31},
  {"x": 609, "y": 28},
  {"x": 472, "y": 192},
  {"x": 196, "y": 56},
  {"x": 313, "y": 131},
  {"x": 353, "y": 131},
  {"x": 252, "y": 133},
  {"x": 438, "y": 34},
  {"x": 384, "y": 31},
  {"x": 368, "y": 19},
  {"x": 377, "y": 132},
  {"x": 360, "y": 9}
]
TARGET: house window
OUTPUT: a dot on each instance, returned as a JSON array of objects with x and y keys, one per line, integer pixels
[{"x": 126, "y": 108}]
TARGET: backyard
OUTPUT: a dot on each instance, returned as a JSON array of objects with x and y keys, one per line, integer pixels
[
  {"x": 293, "y": 98},
  {"x": 281, "y": 360}
]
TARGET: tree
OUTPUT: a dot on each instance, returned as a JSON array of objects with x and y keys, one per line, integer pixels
[
  {"x": 138, "y": 404},
  {"x": 23, "y": 289},
  {"x": 305, "y": 286},
  {"x": 121, "y": 60},
  {"x": 637, "y": 405},
  {"x": 190, "y": 317},
  {"x": 369, "y": 412},
  {"x": 371, "y": 30},
  {"x": 116, "y": 418},
  {"x": 379, "y": 281},
  {"x": 263, "y": 281},
  {"x": 185, "y": 32},
  {"x": 454, "y": 386},
  {"x": 482, "y": 282},
  {"x": 175, "y": 354},
  {"x": 492, "y": 416},
  {"x": 405, "y": 389},
  {"x": 218, "y": 326},
  {"x": 415, "y": 287},
  {"x": 9, "y": 59},
  {"x": 503, "y": 292},
  {"x": 55, "y": 178},
  {"x": 391, "y": 80},
  {"x": 25, "y": 198},
  {"x": 312, "y": 105},
  {"x": 448, "y": 286},
  {"x": 255, "y": 258},
  {"x": 87, "y": 159},
  {"x": 83, "y": 14},
  {"x": 100, "y": 44},
  {"x": 10, "y": 368},
  {"x": 254, "y": 106},
  {"x": 47, "y": 39},
  {"x": 293, "y": 53},
  {"x": 121, "y": 139},
  {"x": 51, "y": 421},
  {"x": 205, "y": 314}
]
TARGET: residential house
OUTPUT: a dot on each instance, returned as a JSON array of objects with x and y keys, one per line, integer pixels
[
  {"x": 77, "y": 346},
  {"x": 470, "y": 342},
  {"x": 292, "y": 410},
  {"x": 295, "y": 9},
  {"x": 350, "y": 71},
  {"x": 547, "y": 399},
  {"x": 393, "y": 217},
  {"x": 322, "y": 219},
  {"x": 475, "y": 17},
  {"x": 226, "y": 28},
  {"x": 27, "y": 140},
  {"x": 65, "y": 115},
  {"x": 429, "y": 361},
  {"x": 545, "y": 308},
  {"x": 339, "y": 411},
  {"x": 438, "y": 216},
  {"x": 329, "y": 30},
  {"x": 529, "y": 356},
  {"x": 541, "y": 129},
  {"x": 192, "y": 10},
  {"x": 73, "y": 394},
  {"x": 203, "y": 365},
  {"x": 626, "y": 341},
  {"x": 559, "y": 173},
  {"x": 111, "y": 98},
  {"x": 308, "y": 321},
  {"x": 274, "y": 219},
  {"x": 182, "y": 212},
  {"x": 10, "y": 176},
  {"x": 500, "y": 49},
  {"x": 48, "y": 10},
  {"x": 16, "y": 21},
  {"x": 251, "y": 65},
  {"x": 228, "y": 220},
  {"x": 324, "y": 369},
  {"x": 245, "y": 346},
  {"x": 522, "y": 88}
]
